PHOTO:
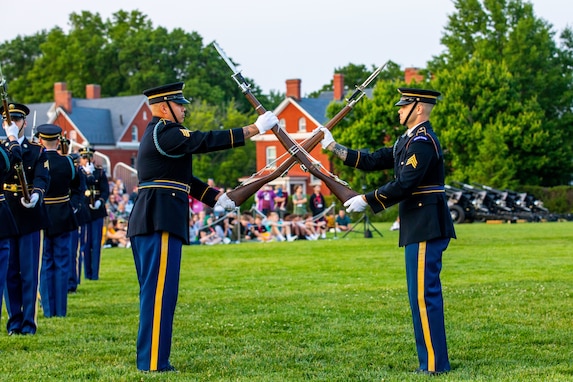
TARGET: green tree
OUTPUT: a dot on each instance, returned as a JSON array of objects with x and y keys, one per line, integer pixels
[
  {"x": 355, "y": 75},
  {"x": 507, "y": 95},
  {"x": 372, "y": 124},
  {"x": 17, "y": 58},
  {"x": 230, "y": 165}
]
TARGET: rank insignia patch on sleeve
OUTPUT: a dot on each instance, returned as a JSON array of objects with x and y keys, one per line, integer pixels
[
  {"x": 413, "y": 161},
  {"x": 186, "y": 133}
]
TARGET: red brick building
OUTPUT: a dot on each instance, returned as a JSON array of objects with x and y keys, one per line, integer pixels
[{"x": 298, "y": 116}]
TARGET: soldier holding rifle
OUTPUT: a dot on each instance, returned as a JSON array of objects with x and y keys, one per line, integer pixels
[
  {"x": 23, "y": 267},
  {"x": 96, "y": 195},
  {"x": 426, "y": 225},
  {"x": 64, "y": 187},
  {"x": 10, "y": 153},
  {"x": 159, "y": 222}
]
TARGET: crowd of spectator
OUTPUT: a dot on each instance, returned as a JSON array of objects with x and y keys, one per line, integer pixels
[
  {"x": 270, "y": 218},
  {"x": 118, "y": 207}
]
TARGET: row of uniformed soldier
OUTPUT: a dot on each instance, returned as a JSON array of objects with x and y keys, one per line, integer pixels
[
  {"x": 30, "y": 215},
  {"x": 46, "y": 225},
  {"x": 97, "y": 194},
  {"x": 10, "y": 154}
]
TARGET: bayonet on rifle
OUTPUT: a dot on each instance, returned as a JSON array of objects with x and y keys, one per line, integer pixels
[
  {"x": 245, "y": 190},
  {"x": 342, "y": 191}
]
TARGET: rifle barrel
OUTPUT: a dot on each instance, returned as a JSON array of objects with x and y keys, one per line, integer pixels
[{"x": 240, "y": 194}]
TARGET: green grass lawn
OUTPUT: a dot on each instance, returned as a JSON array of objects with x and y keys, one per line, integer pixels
[{"x": 327, "y": 310}]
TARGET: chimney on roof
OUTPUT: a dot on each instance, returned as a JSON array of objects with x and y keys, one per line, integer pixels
[
  {"x": 413, "y": 75},
  {"x": 93, "y": 91},
  {"x": 338, "y": 86},
  {"x": 63, "y": 97},
  {"x": 293, "y": 88}
]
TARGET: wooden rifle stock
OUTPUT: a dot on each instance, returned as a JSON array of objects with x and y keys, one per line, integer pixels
[
  {"x": 64, "y": 144},
  {"x": 342, "y": 191},
  {"x": 240, "y": 194},
  {"x": 19, "y": 167}
]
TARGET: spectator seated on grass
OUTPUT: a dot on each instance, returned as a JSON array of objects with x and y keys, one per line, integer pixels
[
  {"x": 116, "y": 234},
  {"x": 342, "y": 221},
  {"x": 259, "y": 231}
]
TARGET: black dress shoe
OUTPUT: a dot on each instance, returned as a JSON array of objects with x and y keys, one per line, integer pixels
[
  {"x": 14, "y": 332},
  {"x": 432, "y": 373},
  {"x": 167, "y": 369}
]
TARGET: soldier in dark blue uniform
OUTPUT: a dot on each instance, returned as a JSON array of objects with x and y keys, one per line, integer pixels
[
  {"x": 10, "y": 154},
  {"x": 96, "y": 197},
  {"x": 64, "y": 186},
  {"x": 24, "y": 263},
  {"x": 426, "y": 226},
  {"x": 82, "y": 213},
  {"x": 159, "y": 222}
]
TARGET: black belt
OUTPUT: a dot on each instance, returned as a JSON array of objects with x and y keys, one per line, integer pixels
[{"x": 428, "y": 190}]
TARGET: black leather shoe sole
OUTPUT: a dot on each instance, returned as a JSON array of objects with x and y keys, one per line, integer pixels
[{"x": 432, "y": 373}]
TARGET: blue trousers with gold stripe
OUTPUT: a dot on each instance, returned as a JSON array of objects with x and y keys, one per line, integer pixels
[
  {"x": 157, "y": 262},
  {"x": 22, "y": 281},
  {"x": 4, "y": 255},
  {"x": 54, "y": 274},
  {"x": 92, "y": 248},
  {"x": 75, "y": 264},
  {"x": 423, "y": 266}
]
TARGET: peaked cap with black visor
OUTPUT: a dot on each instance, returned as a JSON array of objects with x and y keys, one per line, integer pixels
[
  {"x": 17, "y": 111},
  {"x": 411, "y": 95},
  {"x": 49, "y": 132},
  {"x": 167, "y": 93}
]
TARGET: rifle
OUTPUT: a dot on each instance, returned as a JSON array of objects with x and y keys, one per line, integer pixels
[
  {"x": 64, "y": 144},
  {"x": 244, "y": 191},
  {"x": 33, "y": 131},
  {"x": 339, "y": 189},
  {"x": 18, "y": 167},
  {"x": 90, "y": 192}
]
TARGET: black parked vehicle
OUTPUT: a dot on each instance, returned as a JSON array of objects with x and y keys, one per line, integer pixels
[
  {"x": 460, "y": 204},
  {"x": 478, "y": 202}
]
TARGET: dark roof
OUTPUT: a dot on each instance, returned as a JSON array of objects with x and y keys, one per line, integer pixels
[
  {"x": 101, "y": 120},
  {"x": 316, "y": 107},
  {"x": 94, "y": 123},
  {"x": 41, "y": 112}
]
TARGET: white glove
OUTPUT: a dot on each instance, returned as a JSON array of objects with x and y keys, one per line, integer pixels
[
  {"x": 355, "y": 204},
  {"x": 89, "y": 168},
  {"x": 327, "y": 139},
  {"x": 96, "y": 205},
  {"x": 225, "y": 202},
  {"x": 12, "y": 130},
  {"x": 33, "y": 200},
  {"x": 266, "y": 121}
]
